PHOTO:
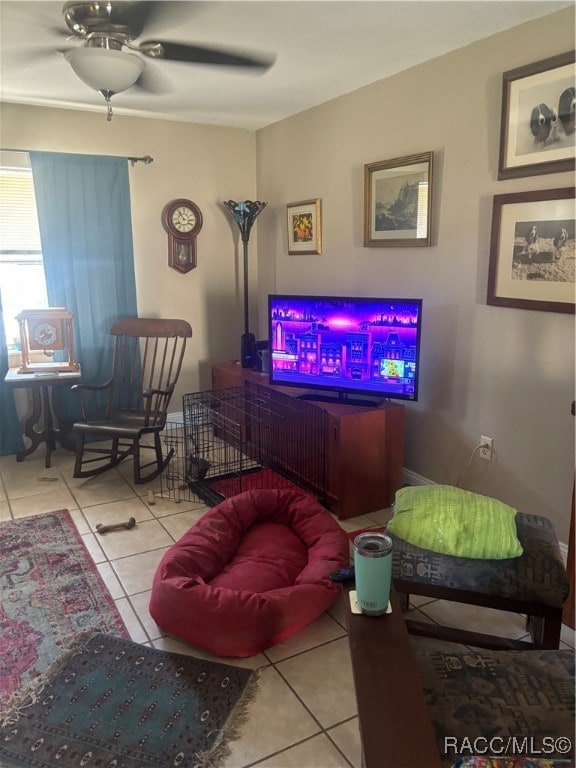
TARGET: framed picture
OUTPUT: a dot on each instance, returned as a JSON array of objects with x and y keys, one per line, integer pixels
[
  {"x": 537, "y": 125},
  {"x": 532, "y": 251},
  {"x": 398, "y": 201},
  {"x": 304, "y": 227}
]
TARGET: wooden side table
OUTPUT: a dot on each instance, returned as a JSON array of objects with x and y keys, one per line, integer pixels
[{"x": 43, "y": 388}]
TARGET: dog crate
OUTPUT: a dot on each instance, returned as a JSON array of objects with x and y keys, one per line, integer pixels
[
  {"x": 243, "y": 438},
  {"x": 173, "y": 483}
]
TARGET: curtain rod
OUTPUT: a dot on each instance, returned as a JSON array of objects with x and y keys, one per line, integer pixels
[{"x": 146, "y": 159}]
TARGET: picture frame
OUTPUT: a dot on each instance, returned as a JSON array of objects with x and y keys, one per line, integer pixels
[
  {"x": 532, "y": 251},
  {"x": 537, "y": 125},
  {"x": 304, "y": 226},
  {"x": 398, "y": 201}
]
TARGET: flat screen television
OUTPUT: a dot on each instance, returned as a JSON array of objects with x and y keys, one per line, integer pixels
[{"x": 345, "y": 346}]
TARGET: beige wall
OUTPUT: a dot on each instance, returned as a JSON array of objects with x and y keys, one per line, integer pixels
[
  {"x": 203, "y": 163},
  {"x": 506, "y": 373}
]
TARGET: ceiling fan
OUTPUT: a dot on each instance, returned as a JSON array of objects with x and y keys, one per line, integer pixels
[{"x": 109, "y": 28}]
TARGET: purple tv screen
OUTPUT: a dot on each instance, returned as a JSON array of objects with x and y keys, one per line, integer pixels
[{"x": 347, "y": 345}]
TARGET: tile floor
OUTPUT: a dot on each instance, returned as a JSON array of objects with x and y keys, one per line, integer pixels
[{"x": 305, "y": 713}]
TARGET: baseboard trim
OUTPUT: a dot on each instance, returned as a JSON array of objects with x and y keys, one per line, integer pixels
[{"x": 413, "y": 478}]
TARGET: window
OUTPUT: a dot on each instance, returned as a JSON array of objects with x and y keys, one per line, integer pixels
[{"x": 21, "y": 266}]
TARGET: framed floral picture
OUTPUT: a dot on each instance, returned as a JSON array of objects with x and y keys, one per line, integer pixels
[
  {"x": 398, "y": 201},
  {"x": 537, "y": 133},
  {"x": 532, "y": 251},
  {"x": 304, "y": 227}
]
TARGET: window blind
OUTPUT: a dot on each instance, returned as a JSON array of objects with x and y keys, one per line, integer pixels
[{"x": 19, "y": 231}]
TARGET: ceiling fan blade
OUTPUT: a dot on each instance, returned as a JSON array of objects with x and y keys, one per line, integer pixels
[
  {"x": 138, "y": 16},
  {"x": 197, "y": 54},
  {"x": 165, "y": 14},
  {"x": 59, "y": 32},
  {"x": 33, "y": 56}
]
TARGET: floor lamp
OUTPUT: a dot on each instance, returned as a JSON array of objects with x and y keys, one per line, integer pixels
[{"x": 245, "y": 214}]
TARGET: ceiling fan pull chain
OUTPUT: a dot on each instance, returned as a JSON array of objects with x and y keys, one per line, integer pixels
[{"x": 107, "y": 95}]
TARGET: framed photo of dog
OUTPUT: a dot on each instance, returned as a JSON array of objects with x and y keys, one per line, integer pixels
[
  {"x": 532, "y": 251},
  {"x": 537, "y": 132}
]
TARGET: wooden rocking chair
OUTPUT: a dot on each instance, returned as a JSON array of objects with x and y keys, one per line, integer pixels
[{"x": 133, "y": 403}]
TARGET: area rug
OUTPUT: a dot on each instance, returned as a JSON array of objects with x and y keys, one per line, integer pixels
[
  {"x": 50, "y": 592},
  {"x": 115, "y": 704}
]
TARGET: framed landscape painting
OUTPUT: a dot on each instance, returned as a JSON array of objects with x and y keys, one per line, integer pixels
[
  {"x": 532, "y": 251},
  {"x": 398, "y": 201},
  {"x": 304, "y": 227},
  {"x": 537, "y": 133}
]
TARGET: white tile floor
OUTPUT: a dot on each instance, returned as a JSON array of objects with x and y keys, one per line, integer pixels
[{"x": 305, "y": 713}]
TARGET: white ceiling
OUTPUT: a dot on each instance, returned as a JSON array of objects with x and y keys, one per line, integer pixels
[{"x": 323, "y": 49}]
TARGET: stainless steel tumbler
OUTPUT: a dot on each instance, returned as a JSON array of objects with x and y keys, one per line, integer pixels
[{"x": 373, "y": 570}]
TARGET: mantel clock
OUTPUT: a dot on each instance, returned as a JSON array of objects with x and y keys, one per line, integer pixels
[{"x": 48, "y": 331}]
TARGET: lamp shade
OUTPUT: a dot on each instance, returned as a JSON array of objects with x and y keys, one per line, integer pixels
[
  {"x": 104, "y": 69},
  {"x": 245, "y": 214}
]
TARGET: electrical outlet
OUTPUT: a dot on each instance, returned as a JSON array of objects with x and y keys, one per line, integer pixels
[{"x": 486, "y": 448}]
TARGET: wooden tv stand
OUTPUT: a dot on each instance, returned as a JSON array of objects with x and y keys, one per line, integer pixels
[{"x": 365, "y": 446}]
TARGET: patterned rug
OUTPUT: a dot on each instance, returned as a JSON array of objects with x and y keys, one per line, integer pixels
[
  {"x": 114, "y": 703},
  {"x": 51, "y": 591}
]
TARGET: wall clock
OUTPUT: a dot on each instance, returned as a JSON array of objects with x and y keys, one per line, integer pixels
[
  {"x": 48, "y": 331},
  {"x": 182, "y": 220}
]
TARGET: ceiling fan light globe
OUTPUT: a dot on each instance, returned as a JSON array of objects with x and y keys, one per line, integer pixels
[{"x": 105, "y": 70}]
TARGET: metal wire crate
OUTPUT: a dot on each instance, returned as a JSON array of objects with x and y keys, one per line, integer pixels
[
  {"x": 188, "y": 476},
  {"x": 173, "y": 483},
  {"x": 252, "y": 437}
]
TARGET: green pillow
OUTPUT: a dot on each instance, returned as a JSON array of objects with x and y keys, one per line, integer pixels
[{"x": 455, "y": 522}]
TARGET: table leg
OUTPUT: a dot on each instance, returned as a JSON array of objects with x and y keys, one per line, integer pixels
[
  {"x": 45, "y": 422},
  {"x": 64, "y": 423},
  {"x": 545, "y": 631},
  {"x": 48, "y": 426},
  {"x": 35, "y": 437}
]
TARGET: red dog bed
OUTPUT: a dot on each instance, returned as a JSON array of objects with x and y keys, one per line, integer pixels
[{"x": 251, "y": 572}]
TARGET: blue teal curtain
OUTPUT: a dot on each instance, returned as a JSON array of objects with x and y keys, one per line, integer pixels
[
  {"x": 85, "y": 224},
  {"x": 10, "y": 429}
]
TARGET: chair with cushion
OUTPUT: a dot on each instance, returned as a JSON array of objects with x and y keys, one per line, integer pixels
[
  {"x": 500, "y": 708},
  {"x": 133, "y": 403},
  {"x": 425, "y": 704},
  {"x": 251, "y": 572},
  {"x": 456, "y": 545}
]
